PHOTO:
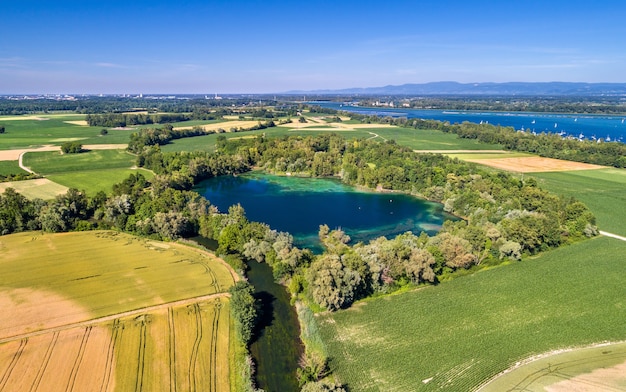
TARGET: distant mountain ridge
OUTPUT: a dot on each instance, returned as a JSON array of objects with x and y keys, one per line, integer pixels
[{"x": 510, "y": 88}]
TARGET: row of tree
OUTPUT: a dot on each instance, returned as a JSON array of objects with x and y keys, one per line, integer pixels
[
  {"x": 555, "y": 104},
  {"x": 544, "y": 144},
  {"x": 129, "y": 119}
]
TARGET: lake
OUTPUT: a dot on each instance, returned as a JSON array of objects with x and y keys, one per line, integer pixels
[
  {"x": 300, "y": 205},
  {"x": 584, "y": 126}
]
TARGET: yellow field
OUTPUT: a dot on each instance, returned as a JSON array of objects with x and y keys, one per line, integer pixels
[
  {"x": 600, "y": 367},
  {"x": 103, "y": 311},
  {"x": 534, "y": 164},
  {"x": 41, "y": 188},
  {"x": 226, "y": 125}
]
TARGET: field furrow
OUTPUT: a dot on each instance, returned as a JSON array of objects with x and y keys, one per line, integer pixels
[
  {"x": 110, "y": 355},
  {"x": 46, "y": 360},
  {"x": 78, "y": 360},
  {"x": 196, "y": 346},
  {"x": 172, "y": 348},
  {"x": 14, "y": 359}
]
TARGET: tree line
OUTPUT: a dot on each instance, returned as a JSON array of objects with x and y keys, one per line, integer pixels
[{"x": 548, "y": 145}]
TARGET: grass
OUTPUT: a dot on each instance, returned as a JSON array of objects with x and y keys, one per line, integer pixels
[
  {"x": 603, "y": 191},
  {"x": 429, "y": 139},
  {"x": 92, "y": 171},
  {"x": 457, "y": 335},
  {"x": 53, "y": 162},
  {"x": 52, "y": 129},
  {"x": 93, "y": 181},
  {"x": 52, "y": 282},
  {"x": 506, "y": 154},
  {"x": 417, "y": 139},
  {"x": 10, "y": 167}
]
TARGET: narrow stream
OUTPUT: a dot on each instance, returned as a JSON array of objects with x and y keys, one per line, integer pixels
[{"x": 277, "y": 346}]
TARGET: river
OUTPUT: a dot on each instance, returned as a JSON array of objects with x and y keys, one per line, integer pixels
[{"x": 582, "y": 126}]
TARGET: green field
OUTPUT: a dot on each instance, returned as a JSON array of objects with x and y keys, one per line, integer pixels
[
  {"x": 51, "y": 162},
  {"x": 93, "y": 181},
  {"x": 484, "y": 155},
  {"x": 92, "y": 171},
  {"x": 603, "y": 191},
  {"x": 53, "y": 129},
  {"x": 458, "y": 334},
  {"x": 419, "y": 139},
  {"x": 429, "y": 139},
  {"x": 10, "y": 167}
]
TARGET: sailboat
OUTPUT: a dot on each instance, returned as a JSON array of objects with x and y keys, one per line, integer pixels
[{"x": 532, "y": 122}]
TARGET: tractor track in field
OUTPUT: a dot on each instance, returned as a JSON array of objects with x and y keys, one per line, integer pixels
[
  {"x": 116, "y": 336},
  {"x": 42, "y": 369},
  {"x": 9, "y": 369},
  {"x": 79, "y": 359},
  {"x": 134, "y": 312}
]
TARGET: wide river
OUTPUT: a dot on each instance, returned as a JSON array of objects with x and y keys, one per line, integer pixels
[
  {"x": 300, "y": 205},
  {"x": 584, "y": 126}
]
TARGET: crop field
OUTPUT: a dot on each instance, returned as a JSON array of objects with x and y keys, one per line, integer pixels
[
  {"x": 93, "y": 181},
  {"x": 225, "y": 125},
  {"x": 597, "y": 368},
  {"x": 10, "y": 167},
  {"x": 54, "y": 162},
  {"x": 459, "y": 334},
  {"x": 93, "y": 171},
  {"x": 40, "y": 188},
  {"x": 532, "y": 164},
  {"x": 133, "y": 315},
  {"x": 603, "y": 191},
  {"x": 54, "y": 129},
  {"x": 417, "y": 139}
]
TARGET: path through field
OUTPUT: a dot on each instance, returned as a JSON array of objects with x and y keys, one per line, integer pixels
[
  {"x": 619, "y": 237},
  {"x": 14, "y": 155}
]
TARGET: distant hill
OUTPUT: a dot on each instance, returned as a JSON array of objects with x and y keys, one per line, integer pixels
[{"x": 511, "y": 88}]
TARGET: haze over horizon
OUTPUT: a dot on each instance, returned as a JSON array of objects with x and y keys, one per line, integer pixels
[{"x": 193, "y": 46}]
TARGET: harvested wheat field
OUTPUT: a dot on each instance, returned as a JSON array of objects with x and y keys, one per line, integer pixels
[
  {"x": 104, "y": 311},
  {"x": 534, "y": 164},
  {"x": 226, "y": 126}
]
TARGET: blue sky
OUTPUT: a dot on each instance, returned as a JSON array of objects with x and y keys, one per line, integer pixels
[{"x": 271, "y": 46}]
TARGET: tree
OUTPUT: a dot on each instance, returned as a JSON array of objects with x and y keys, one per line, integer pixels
[
  {"x": 2, "y": 129},
  {"x": 333, "y": 285},
  {"x": 244, "y": 309},
  {"x": 71, "y": 147}
]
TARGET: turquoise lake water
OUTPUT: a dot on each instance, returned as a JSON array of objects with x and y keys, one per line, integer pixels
[{"x": 300, "y": 205}]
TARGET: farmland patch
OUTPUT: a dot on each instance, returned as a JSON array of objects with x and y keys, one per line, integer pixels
[
  {"x": 534, "y": 164},
  {"x": 112, "y": 318}
]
